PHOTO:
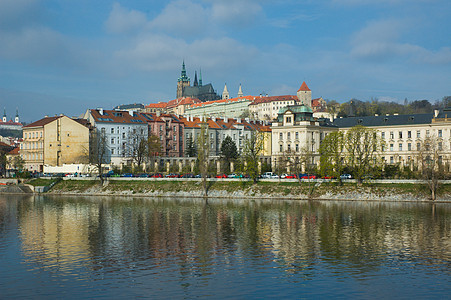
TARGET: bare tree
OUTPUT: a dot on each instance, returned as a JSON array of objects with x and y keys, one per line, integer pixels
[
  {"x": 137, "y": 147},
  {"x": 203, "y": 153},
  {"x": 431, "y": 157},
  {"x": 253, "y": 147},
  {"x": 332, "y": 154},
  {"x": 99, "y": 151},
  {"x": 153, "y": 148}
]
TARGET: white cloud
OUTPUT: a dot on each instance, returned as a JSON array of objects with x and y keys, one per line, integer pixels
[
  {"x": 122, "y": 20},
  {"x": 379, "y": 41},
  {"x": 236, "y": 12}
]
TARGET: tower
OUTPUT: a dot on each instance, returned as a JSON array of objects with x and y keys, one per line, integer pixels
[
  {"x": 305, "y": 95},
  {"x": 182, "y": 82},
  {"x": 195, "y": 79},
  {"x": 225, "y": 93},
  {"x": 16, "y": 119},
  {"x": 240, "y": 92},
  {"x": 4, "y": 115},
  {"x": 200, "y": 77}
]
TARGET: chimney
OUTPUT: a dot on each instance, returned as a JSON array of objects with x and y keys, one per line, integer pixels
[
  {"x": 226, "y": 120},
  {"x": 436, "y": 112},
  {"x": 214, "y": 119},
  {"x": 100, "y": 111},
  {"x": 158, "y": 113},
  {"x": 238, "y": 120},
  {"x": 247, "y": 120},
  {"x": 132, "y": 113}
]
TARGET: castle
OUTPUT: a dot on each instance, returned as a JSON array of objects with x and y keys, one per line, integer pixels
[{"x": 197, "y": 90}]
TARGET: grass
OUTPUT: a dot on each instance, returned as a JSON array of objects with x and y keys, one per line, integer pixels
[{"x": 41, "y": 181}]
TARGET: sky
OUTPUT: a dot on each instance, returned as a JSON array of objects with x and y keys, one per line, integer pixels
[{"x": 63, "y": 57}]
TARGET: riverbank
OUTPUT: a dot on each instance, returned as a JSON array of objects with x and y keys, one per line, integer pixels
[{"x": 327, "y": 190}]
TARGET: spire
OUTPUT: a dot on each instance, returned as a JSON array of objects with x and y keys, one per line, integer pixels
[
  {"x": 16, "y": 119},
  {"x": 225, "y": 93},
  {"x": 240, "y": 92},
  {"x": 4, "y": 115},
  {"x": 304, "y": 87},
  {"x": 195, "y": 78},
  {"x": 183, "y": 77},
  {"x": 200, "y": 77}
]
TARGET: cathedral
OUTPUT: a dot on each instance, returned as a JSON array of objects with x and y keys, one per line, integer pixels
[{"x": 197, "y": 90}]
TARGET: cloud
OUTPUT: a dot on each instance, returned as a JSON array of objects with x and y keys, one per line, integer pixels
[
  {"x": 161, "y": 52},
  {"x": 122, "y": 20},
  {"x": 15, "y": 14},
  {"x": 379, "y": 41},
  {"x": 237, "y": 13}
]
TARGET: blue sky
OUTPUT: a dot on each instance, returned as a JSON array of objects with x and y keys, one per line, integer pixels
[{"x": 61, "y": 56}]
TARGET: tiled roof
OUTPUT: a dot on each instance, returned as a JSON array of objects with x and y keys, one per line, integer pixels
[
  {"x": 42, "y": 122},
  {"x": 114, "y": 116},
  {"x": 10, "y": 122},
  {"x": 157, "y": 105},
  {"x": 15, "y": 151},
  {"x": 250, "y": 98},
  {"x": 304, "y": 87},
  {"x": 392, "y": 120}
]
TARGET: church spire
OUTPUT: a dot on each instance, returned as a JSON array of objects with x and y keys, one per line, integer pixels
[
  {"x": 240, "y": 92},
  {"x": 195, "y": 79},
  {"x": 4, "y": 115},
  {"x": 16, "y": 119},
  {"x": 200, "y": 77},
  {"x": 225, "y": 93}
]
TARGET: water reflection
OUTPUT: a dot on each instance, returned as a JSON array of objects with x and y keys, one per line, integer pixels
[{"x": 122, "y": 242}]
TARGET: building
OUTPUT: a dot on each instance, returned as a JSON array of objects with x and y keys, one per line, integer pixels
[
  {"x": 404, "y": 134},
  {"x": 11, "y": 157},
  {"x": 296, "y": 132},
  {"x": 197, "y": 90},
  {"x": 55, "y": 141},
  {"x": 224, "y": 108},
  {"x": 169, "y": 129},
  {"x": 10, "y": 124},
  {"x": 178, "y": 106},
  {"x": 122, "y": 130},
  {"x": 267, "y": 108},
  {"x": 135, "y": 107},
  {"x": 159, "y": 107}
]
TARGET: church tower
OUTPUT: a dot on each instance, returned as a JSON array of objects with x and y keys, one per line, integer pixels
[
  {"x": 240, "y": 92},
  {"x": 16, "y": 119},
  {"x": 225, "y": 93},
  {"x": 182, "y": 82},
  {"x": 195, "y": 79},
  {"x": 4, "y": 115},
  {"x": 305, "y": 95}
]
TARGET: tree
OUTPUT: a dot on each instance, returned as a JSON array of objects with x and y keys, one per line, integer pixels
[
  {"x": 153, "y": 148},
  {"x": 98, "y": 152},
  {"x": 137, "y": 144},
  {"x": 431, "y": 156},
  {"x": 190, "y": 148},
  {"x": 363, "y": 147},
  {"x": 229, "y": 152},
  {"x": 18, "y": 163},
  {"x": 253, "y": 147},
  {"x": 331, "y": 153},
  {"x": 203, "y": 153}
]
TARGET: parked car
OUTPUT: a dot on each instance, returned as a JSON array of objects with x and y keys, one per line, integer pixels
[
  {"x": 345, "y": 176},
  {"x": 233, "y": 175},
  {"x": 309, "y": 176},
  {"x": 328, "y": 177},
  {"x": 127, "y": 175},
  {"x": 291, "y": 176},
  {"x": 270, "y": 175},
  {"x": 143, "y": 175},
  {"x": 188, "y": 175},
  {"x": 221, "y": 176},
  {"x": 157, "y": 175}
]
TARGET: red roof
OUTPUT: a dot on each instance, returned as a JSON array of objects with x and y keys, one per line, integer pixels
[
  {"x": 157, "y": 105},
  {"x": 42, "y": 122},
  {"x": 117, "y": 116},
  {"x": 304, "y": 87},
  {"x": 15, "y": 151}
]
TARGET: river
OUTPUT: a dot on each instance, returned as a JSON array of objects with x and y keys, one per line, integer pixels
[{"x": 54, "y": 247}]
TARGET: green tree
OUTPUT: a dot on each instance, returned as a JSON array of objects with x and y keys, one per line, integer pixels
[
  {"x": 331, "y": 153},
  {"x": 18, "y": 163},
  {"x": 363, "y": 147},
  {"x": 253, "y": 147},
  {"x": 229, "y": 152},
  {"x": 190, "y": 148}
]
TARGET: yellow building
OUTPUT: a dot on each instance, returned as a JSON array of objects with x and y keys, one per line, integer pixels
[{"x": 54, "y": 141}]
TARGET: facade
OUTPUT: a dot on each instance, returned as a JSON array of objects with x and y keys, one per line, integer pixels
[
  {"x": 198, "y": 90},
  {"x": 159, "y": 107},
  {"x": 169, "y": 128},
  {"x": 267, "y": 108},
  {"x": 304, "y": 95},
  {"x": 178, "y": 106},
  {"x": 121, "y": 129},
  {"x": 404, "y": 134},
  {"x": 296, "y": 131},
  {"x": 10, "y": 157},
  {"x": 135, "y": 107},
  {"x": 54, "y": 141},
  {"x": 224, "y": 108}
]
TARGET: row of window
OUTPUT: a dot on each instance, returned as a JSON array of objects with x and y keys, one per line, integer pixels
[
  {"x": 31, "y": 156},
  {"x": 32, "y": 135},
  {"x": 31, "y": 145},
  {"x": 409, "y": 134},
  {"x": 409, "y": 147}
]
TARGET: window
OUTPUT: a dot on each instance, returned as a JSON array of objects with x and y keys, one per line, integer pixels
[
  {"x": 175, "y": 130},
  {"x": 400, "y": 147},
  {"x": 234, "y": 136},
  {"x": 112, "y": 150},
  {"x": 409, "y": 134},
  {"x": 439, "y": 133},
  {"x": 383, "y": 135},
  {"x": 409, "y": 146},
  {"x": 297, "y": 135},
  {"x": 392, "y": 160},
  {"x": 391, "y": 147},
  {"x": 175, "y": 138},
  {"x": 288, "y": 120},
  {"x": 418, "y": 134},
  {"x": 400, "y": 134},
  {"x": 281, "y": 136},
  {"x": 102, "y": 130},
  {"x": 288, "y": 135},
  {"x": 391, "y": 135},
  {"x": 440, "y": 146},
  {"x": 112, "y": 130},
  {"x": 161, "y": 127},
  {"x": 289, "y": 147},
  {"x": 112, "y": 141},
  {"x": 281, "y": 148},
  {"x": 383, "y": 148},
  {"x": 418, "y": 146},
  {"x": 123, "y": 135},
  {"x": 297, "y": 147},
  {"x": 427, "y": 132}
]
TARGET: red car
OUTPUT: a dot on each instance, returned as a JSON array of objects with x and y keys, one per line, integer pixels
[
  {"x": 221, "y": 176},
  {"x": 291, "y": 176},
  {"x": 157, "y": 175},
  {"x": 308, "y": 177},
  {"x": 328, "y": 177}
]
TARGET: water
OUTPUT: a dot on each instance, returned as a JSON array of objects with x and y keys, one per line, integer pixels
[{"x": 113, "y": 247}]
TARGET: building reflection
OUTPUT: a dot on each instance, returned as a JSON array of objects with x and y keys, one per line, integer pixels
[{"x": 194, "y": 238}]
